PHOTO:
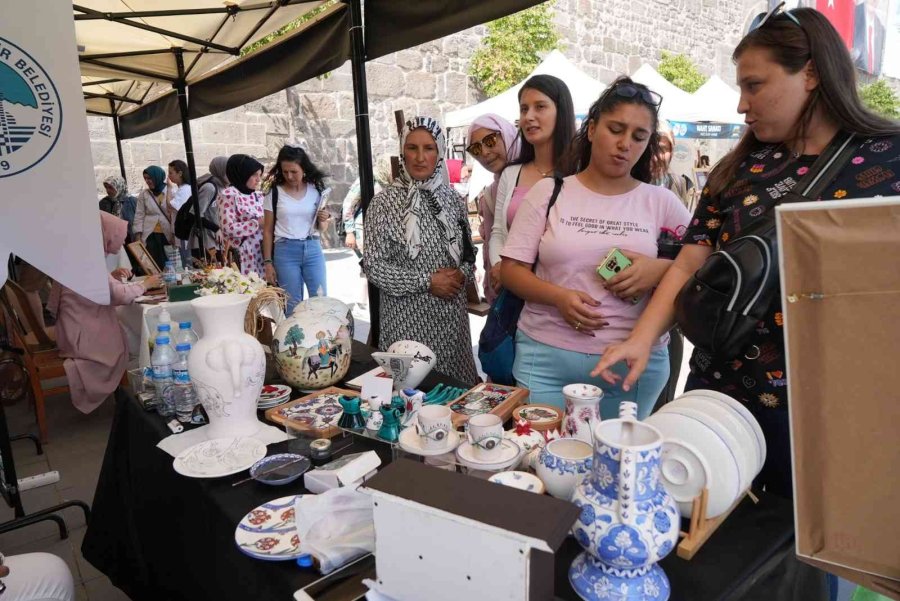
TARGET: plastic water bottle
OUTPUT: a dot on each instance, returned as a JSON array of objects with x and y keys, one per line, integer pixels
[
  {"x": 169, "y": 275},
  {"x": 162, "y": 359},
  {"x": 183, "y": 392},
  {"x": 186, "y": 334}
]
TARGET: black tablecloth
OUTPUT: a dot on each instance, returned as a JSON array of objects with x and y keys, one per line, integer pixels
[{"x": 162, "y": 537}]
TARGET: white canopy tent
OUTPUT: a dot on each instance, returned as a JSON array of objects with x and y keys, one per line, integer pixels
[
  {"x": 675, "y": 101},
  {"x": 715, "y": 101},
  {"x": 584, "y": 89}
]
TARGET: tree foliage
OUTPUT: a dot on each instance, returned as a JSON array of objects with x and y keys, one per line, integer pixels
[
  {"x": 879, "y": 97},
  {"x": 512, "y": 48},
  {"x": 681, "y": 71},
  {"x": 294, "y": 337},
  {"x": 287, "y": 28}
]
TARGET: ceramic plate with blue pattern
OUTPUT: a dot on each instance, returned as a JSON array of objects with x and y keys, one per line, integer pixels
[{"x": 269, "y": 532}]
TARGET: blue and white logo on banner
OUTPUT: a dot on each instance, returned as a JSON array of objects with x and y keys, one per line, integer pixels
[{"x": 30, "y": 111}]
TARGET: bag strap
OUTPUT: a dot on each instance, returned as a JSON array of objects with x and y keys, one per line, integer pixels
[{"x": 557, "y": 186}]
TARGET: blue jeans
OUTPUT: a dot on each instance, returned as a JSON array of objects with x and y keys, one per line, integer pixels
[
  {"x": 544, "y": 370},
  {"x": 299, "y": 262}
]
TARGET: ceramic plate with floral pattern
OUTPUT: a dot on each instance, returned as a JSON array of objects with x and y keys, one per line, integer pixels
[
  {"x": 219, "y": 457},
  {"x": 269, "y": 532}
]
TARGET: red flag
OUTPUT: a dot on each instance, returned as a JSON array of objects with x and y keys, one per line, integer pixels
[{"x": 840, "y": 13}]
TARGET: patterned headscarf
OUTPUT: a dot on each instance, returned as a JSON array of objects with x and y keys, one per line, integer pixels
[
  {"x": 509, "y": 133},
  {"x": 433, "y": 194},
  {"x": 118, "y": 184},
  {"x": 158, "y": 177}
]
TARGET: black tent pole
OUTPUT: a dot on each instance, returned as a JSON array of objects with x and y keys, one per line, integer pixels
[
  {"x": 363, "y": 141},
  {"x": 181, "y": 87},
  {"x": 115, "y": 120}
]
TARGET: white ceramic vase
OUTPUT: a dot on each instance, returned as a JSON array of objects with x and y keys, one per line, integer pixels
[
  {"x": 582, "y": 411},
  {"x": 227, "y": 366}
]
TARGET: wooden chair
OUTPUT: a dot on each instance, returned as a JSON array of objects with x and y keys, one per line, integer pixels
[{"x": 38, "y": 343}]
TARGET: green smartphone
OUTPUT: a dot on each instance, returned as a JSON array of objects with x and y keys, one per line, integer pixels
[{"x": 615, "y": 262}]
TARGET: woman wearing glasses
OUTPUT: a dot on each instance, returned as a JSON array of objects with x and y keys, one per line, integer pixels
[
  {"x": 292, "y": 251},
  {"x": 493, "y": 143},
  {"x": 571, "y": 314},
  {"x": 419, "y": 253},
  {"x": 798, "y": 92},
  {"x": 546, "y": 129}
]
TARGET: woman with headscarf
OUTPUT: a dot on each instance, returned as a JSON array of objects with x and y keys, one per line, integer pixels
[
  {"x": 494, "y": 142},
  {"x": 208, "y": 188},
  {"x": 241, "y": 210},
  {"x": 419, "y": 253},
  {"x": 118, "y": 202},
  {"x": 89, "y": 335},
  {"x": 152, "y": 224}
]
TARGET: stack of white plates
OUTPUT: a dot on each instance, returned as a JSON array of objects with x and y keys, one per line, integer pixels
[
  {"x": 711, "y": 441},
  {"x": 273, "y": 395}
]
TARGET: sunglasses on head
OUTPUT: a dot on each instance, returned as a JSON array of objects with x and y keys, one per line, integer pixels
[
  {"x": 630, "y": 90},
  {"x": 775, "y": 12},
  {"x": 489, "y": 141}
]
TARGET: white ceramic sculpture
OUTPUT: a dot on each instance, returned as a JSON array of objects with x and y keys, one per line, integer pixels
[
  {"x": 227, "y": 366},
  {"x": 422, "y": 363},
  {"x": 313, "y": 347}
]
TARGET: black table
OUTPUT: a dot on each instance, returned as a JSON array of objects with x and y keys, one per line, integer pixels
[{"x": 160, "y": 536}]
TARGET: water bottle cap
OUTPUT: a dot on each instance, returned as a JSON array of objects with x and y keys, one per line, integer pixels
[
  {"x": 164, "y": 327},
  {"x": 184, "y": 325},
  {"x": 162, "y": 340},
  {"x": 184, "y": 346},
  {"x": 305, "y": 560}
]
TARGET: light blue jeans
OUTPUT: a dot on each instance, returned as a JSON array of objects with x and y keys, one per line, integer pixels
[
  {"x": 298, "y": 263},
  {"x": 544, "y": 370}
]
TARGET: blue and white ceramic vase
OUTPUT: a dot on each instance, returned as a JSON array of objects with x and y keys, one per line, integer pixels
[{"x": 628, "y": 521}]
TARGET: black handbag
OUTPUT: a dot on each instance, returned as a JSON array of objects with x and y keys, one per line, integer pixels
[
  {"x": 719, "y": 308},
  {"x": 497, "y": 342}
]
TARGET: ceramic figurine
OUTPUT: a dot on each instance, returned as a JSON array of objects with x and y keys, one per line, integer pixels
[
  {"x": 628, "y": 521},
  {"x": 312, "y": 347},
  {"x": 582, "y": 410},
  {"x": 351, "y": 418},
  {"x": 390, "y": 423},
  {"x": 227, "y": 366},
  {"x": 375, "y": 419}
]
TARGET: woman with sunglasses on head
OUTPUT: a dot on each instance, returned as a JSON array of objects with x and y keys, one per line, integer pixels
[
  {"x": 571, "y": 314},
  {"x": 419, "y": 253},
  {"x": 292, "y": 251},
  {"x": 798, "y": 93},
  {"x": 546, "y": 129},
  {"x": 494, "y": 142}
]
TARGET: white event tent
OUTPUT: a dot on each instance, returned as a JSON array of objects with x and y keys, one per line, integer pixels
[
  {"x": 715, "y": 101},
  {"x": 584, "y": 88},
  {"x": 675, "y": 102}
]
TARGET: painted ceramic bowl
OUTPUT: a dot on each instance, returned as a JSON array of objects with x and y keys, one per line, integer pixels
[
  {"x": 562, "y": 465},
  {"x": 423, "y": 360},
  {"x": 531, "y": 442},
  {"x": 521, "y": 480},
  {"x": 543, "y": 418},
  {"x": 312, "y": 349}
]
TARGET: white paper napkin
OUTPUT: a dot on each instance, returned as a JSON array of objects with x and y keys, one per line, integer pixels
[{"x": 176, "y": 443}]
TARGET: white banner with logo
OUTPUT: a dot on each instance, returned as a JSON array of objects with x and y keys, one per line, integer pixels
[{"x": 48, "y": 200}]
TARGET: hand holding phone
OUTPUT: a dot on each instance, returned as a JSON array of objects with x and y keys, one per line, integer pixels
[{"x": 633, "y": 280}]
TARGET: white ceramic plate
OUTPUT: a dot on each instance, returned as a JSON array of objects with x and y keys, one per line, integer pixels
[
  {"x": 269, "y": 532},
  {"x": 742, "y": 412},
  {"x": 411, "y": 442},
  {"x": 273, "y": 403},
  {"x": 735, "y": 425},
  {"x": 219, "y": 457},
  {"x": 724, "y": 478},
  {"x": 521, "y": 480},
  {"x": 685, "y": 473},
  {"x": 508, "y": 456}
]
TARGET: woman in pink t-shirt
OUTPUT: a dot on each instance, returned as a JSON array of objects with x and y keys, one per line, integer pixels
[{"x": 571, "y": 314}]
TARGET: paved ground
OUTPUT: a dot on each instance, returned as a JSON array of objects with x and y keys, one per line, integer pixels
[{"x": 77, "y": 443}]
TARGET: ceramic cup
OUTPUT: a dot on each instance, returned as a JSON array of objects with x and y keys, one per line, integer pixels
[
  {"x": 485, "y": 433},
  {"x": 433, "y": 425},
  {"x": 562, "y": 465}
]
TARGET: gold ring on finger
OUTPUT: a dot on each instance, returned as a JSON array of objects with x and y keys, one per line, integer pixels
[{"x": 577, "y": 325}]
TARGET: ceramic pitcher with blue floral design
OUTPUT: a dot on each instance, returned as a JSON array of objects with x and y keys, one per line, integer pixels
[{"x": 628, "y": 521}]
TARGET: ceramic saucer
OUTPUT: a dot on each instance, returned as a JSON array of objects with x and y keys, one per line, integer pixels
[
  {"x": 270, "y": 392},
  {"x": 508, "y": 455},
  {"x": 411, "y": 442},
  {"x": 279, "y": 469},
  {"x": 269, "y": 532},
  {"x": 521, "y": 480},
  {"x": 273, "y": 403},
  {"x": 219, "y": 457}
]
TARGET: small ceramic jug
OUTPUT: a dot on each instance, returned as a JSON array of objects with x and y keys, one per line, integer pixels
[
  {"x": 375, "y": 418},
  {"x": 414, "y": 399},
  {"x": 582, "y": 411},
  {"x": 352, "y": 417},
  {"x": 390, "y": 424}
]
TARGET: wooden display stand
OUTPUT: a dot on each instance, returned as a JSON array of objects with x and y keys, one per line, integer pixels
[{"x": 702, "y": 528}]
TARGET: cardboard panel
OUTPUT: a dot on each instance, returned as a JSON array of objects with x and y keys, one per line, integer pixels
[{"x": 841, "y": 299}]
